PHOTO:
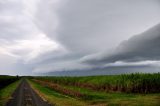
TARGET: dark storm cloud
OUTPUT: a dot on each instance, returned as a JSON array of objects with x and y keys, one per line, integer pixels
[
  {"x": 142, "y": 47},
  {"x": 90, "y": 26},
  {"x": 87, "y": 29}
]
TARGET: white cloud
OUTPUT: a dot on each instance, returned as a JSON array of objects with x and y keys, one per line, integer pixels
[{"x": 31, "y": 48}]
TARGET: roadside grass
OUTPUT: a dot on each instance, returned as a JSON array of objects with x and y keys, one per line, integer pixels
[
  {"x": 117, "y": 98},
  {"x": 55, "y": 98},
  {"x": 6, "y": 92},
  {"x": 97, "y": 98}
]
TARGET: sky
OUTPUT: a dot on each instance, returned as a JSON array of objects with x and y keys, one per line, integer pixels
[{"x": 42, "y": 36}]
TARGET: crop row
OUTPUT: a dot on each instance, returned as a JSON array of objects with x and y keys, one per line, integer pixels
[{"x": 130, "y": 83}]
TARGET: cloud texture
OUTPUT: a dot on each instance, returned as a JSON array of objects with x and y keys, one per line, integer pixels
[{"x": 54, "y": 35}]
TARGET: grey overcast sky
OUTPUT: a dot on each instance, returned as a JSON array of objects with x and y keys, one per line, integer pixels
[{"x": 40, "y": 36}]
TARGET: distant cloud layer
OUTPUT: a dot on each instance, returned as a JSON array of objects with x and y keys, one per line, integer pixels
[
  {"x": 40, "y": 36},
  {"x": 142, "y": 47}
]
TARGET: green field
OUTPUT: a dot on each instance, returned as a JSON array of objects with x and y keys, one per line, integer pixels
[
  {"x": 130, "y": 83},
  {"x": 110, "y": 90}
]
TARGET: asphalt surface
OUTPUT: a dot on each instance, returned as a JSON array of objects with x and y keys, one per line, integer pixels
[{"x": 24, "y": 95}]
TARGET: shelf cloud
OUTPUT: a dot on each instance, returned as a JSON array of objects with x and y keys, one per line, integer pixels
[{"x": 142, "y": 47}]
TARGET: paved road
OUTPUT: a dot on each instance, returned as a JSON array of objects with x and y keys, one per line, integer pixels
[{"x": 25, "y": 96}]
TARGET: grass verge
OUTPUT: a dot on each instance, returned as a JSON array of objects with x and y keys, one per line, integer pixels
[
  {"x": 97, "y": 98},
  {"x": 5, "y": 93}
]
